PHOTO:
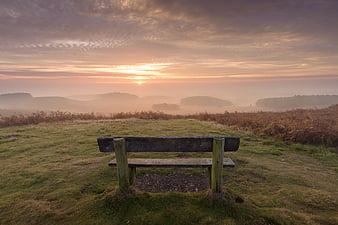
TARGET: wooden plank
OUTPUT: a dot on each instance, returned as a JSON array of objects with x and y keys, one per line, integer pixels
[
  {"x": 169, "y": 143},
  {"x": 185, "y": 162},
  {"x": 217, "y": 165},
  {"x": 122, "y": 164}
]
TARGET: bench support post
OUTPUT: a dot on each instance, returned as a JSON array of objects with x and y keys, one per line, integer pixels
[
  {"x": 122, "y": 164},
  {"x": 209, "y": 176},
  {"x": 217, "y": 165},
  {"x": 132, "y": 174}
]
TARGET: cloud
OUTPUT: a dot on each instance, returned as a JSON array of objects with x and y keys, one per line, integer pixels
[
  {"x": 42, "y": 24},
  {"x": 102, "y": 21},
  {"x": 193, "y": 38}
]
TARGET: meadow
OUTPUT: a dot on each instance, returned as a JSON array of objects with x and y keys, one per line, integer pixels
[{"x": 53, "y": 173}]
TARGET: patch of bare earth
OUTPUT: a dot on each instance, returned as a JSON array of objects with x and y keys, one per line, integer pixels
[{"x": 175, "y": 181}]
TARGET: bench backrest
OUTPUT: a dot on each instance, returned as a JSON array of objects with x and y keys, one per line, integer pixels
[{"x": 169, "y": 143}]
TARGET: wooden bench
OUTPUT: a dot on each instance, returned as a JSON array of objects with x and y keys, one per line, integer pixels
[{"x": 126, "y": 167}]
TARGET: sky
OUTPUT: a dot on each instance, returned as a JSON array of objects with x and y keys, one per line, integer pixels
[{"x": 233, "y": 49}]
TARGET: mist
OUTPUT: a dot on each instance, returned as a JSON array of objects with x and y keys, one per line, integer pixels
[
  {"x": 113, "y": 98},
  {"x": 242, "y": 93}
]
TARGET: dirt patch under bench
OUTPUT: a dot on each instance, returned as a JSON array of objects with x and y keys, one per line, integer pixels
[{"x": 175, "y": 181}]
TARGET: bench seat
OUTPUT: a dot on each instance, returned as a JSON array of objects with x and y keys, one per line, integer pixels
[{"x": 183, "y": 162}]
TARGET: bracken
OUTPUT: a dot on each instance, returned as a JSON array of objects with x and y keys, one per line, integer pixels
[{"x": 306, "y": 126}]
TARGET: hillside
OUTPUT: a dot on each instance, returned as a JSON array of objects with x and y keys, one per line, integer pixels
[
  {"x": 53, "y": 173},
  {"x": 298, "y": 101}
]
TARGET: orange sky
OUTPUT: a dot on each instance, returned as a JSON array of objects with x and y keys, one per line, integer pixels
[{"x": 149, "y": 46}]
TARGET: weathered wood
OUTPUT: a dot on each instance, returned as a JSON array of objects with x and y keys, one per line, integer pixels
[
  {"x": 209, "y": 175},
  {"x": 169, "y": 143},
  {"x": 127, "y": 167},
  {"x": 217, "y": 165},
  {"x": 122, "y": 164},
  {"x": 132, "y": 174},
  {"x": 185, "y": 162}
]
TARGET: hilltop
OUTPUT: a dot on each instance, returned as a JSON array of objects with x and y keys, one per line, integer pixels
[{"x": 53, "y": 173}]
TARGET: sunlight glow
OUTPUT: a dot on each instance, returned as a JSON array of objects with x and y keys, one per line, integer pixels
[
  {"x": 140, "y": 82},
  {"x": 137, "y": 69}
]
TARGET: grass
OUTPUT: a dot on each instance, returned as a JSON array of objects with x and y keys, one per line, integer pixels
[{"x": 53, "y": 173}]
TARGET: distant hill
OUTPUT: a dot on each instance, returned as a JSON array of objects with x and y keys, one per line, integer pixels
[
  {"x": 15, "y": 98},
  {"x": 205, "y": 101},
  {"x": 25, "y": 101},
  {"x": 109, "y": 102},
  {"x": 298, "y": 101},
  {"x": 166, "y": 107}
]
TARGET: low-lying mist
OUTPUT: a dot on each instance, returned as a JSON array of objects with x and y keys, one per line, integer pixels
[
  {"x": 16, "y": 103},
  {"x": 116, "y": 102}
]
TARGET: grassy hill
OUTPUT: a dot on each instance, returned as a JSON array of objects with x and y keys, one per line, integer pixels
[{"x": 53, "y": 173}]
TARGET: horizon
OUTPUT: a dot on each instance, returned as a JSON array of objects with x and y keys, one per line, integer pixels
[{"x": 240, "y": 51}]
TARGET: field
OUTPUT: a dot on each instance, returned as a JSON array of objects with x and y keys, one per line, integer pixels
[
  {"x": 305, "y": 126},
  {"x": 53, "y": 173}
]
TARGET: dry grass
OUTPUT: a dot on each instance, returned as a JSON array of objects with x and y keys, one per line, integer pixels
[
  {"x": 53, "y": 173},
  {"x": 309, "y": 126}
]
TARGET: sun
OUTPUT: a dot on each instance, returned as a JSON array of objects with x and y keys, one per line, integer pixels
[{"x": 139, "y": 82}]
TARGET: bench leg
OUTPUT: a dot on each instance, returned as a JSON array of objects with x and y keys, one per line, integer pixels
[
  {"x": 209, "y": 176},
  {"x": 217, "y": 165},
  {"x": 122, "y": 164},
  {"x": 132, "y": 174}
]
